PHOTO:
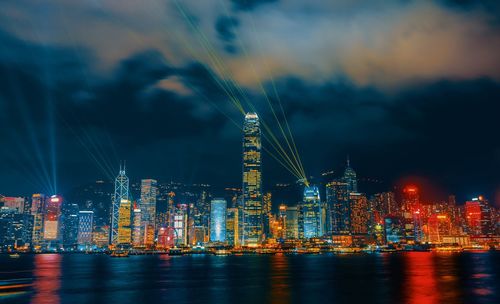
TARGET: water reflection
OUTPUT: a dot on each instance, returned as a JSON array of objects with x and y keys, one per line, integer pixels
[
  {"x": 412, "y": 277},
  {"x": 279, "y": 285},
  {"x": 420, "y": 282},
  {"x": 47, "y": 279}
]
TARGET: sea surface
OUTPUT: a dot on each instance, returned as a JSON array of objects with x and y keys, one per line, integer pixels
[{"x": 410, "y": 277}]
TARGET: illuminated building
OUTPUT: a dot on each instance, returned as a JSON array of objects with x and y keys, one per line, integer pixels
[
  {"x": 137, "y": 238},
  {"x": 350, "y": 178},
  {"x": 338, "y": 208},
  {"x": 359, "y": 213},
  {"x": 197, "y": 235},
  {"x": 38, "y": 202},
  {"x": 166, "y": 237},
  {"x": 149, "y": 192},
  {"x": 478, "y": 216},
  {"x": 232, "y": 227},
  {"x": 292, "y": 223},
  {"x": 411, "y": 199},
  {"x": 51, "y": 218},
  {"x": 412, "y": 214},
  {"x": 266, "y": 213},
  {"x": 85, "y": 227},
  {"x": 15, "y": 203},
  {"x": 438, "y": 226},
  {"x": 394, "y": 229},
  {"x": 180, "y": 225},
  {"x": 15, "y": 228},
  {"x": 252, "y": 181},
  {"x": 120, "y": 198},
  {"x": 100, "y": 236},
  {"x": 70, "y": 226},
  {"x": 310, "y": 214},
  {"x": 124, "y": 237},
  {"x": 282, "y": 222},
  {"x": 385, "y": 203},
  {"x": 218, "y": 220}
]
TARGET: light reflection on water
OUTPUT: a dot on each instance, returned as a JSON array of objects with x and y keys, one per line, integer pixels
[{"x": 412, "y": 277}]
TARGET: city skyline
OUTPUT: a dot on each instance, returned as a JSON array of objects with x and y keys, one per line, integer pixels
[{"x": 249, "y": 151}]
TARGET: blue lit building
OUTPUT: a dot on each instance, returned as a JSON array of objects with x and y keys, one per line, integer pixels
[
  {"x": 310, "y": 215},
  {"x": 218, "y": 220},
  {"x": 394, "y": 229},
  {"x": 85, "y": 225}
]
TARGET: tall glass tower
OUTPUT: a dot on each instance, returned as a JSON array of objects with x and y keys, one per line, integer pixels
[
  {"x": 218, "y": 220},
  {"x": 338, "y": 207},
  {"x": 252, "y": 181},
  {"x": 350, "y": 178},
  {"x": 149, "y": 191},
  {"x": 310, "y": 219},
  {"x": 121, "y": 197}
]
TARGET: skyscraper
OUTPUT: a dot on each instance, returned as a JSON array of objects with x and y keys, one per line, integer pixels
[
  {"x": 85, "y": 226},
  {"x": 338, "y": 207},
  {"x": 121, "y": 197},
  {"x": 252, "y": 181},
  {"x": 38, "y": 202},
  {"x": 359, "y": 213},
  {"x": 137, "y": 239},
  {"x": 51, "y": 218},
  {"x": 232, "y": 226},
  {"x": 149, "y": 192},
  {"x": 16, "y": 203},
  {"x": 266, "y": 213},
  {"x": 310, "y": 221},
  {"x": 350, "y": 178},
  {"x": 70, "y": 225},
  {"x": 478, "y": 216},
  {"x": 218, "y": 220},
  {"x": 292, "y": 224},
  {"x": 180, "y": 224},
  {"x": 411, "y": 213},
  {"x": 14, "y": 229},
  {"x": 124, "y": 236}
]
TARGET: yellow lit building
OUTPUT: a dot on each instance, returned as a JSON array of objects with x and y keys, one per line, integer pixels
[{"x": 124, "y": 229}]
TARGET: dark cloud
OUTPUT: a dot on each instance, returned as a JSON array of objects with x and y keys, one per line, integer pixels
[
  {"x": 225, "y": 27},
  {"x": 246, "y": 5},
  {"x": 443, "y": 131},
  {"x": 468, "y": 4},
  {"x": 126, "y": 111}
]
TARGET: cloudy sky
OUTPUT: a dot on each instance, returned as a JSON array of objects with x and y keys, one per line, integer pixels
[{"x": 406, "y": 88}]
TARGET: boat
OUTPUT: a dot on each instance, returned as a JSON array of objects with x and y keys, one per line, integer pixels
[
  {"x": 222, "y": 252},
  {"x": 448, "y": 249},
  {"x": 14, "y": 255},
  {"x": 347, "y": 250},
  {"x": 265, "y": 251},
  {"x": 119, "y": 254},
  {"x": 175, "y": 251}
]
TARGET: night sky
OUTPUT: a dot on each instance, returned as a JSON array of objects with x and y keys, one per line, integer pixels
[{"x": 409, "y": 89}]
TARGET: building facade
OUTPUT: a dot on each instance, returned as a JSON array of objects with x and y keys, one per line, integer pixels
[
  {"x": 218, "y": 220},
  {"x": 252, "y": 181},
  {"x": 310, "y": 220},
  {"x": 119, "y": 201}
]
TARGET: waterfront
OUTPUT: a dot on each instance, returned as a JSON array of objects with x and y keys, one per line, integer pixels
[{"x": 405, "y": 277}]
